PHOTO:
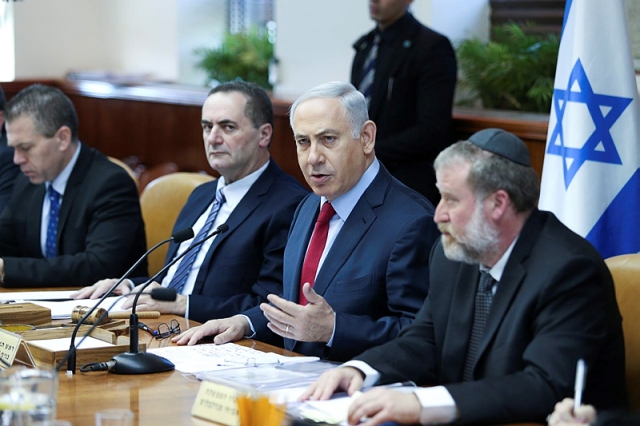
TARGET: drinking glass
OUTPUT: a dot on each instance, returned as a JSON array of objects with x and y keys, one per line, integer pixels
[
  {"x": 27, "y": 396},
  {"x": 114, "y": 417}
]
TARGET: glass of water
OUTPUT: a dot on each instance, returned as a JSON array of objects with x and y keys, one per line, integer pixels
[{"x": 28, "y": 396}]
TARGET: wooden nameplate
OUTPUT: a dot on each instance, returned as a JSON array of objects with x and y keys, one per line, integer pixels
[
  {"x": 24, "y": 313},
  {"x": 47, "y": 357}
]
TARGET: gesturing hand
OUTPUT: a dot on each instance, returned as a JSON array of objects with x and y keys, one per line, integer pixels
[{"x": 311, "y": 323}]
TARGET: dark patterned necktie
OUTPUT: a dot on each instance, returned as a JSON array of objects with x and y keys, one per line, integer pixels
[
  {"x": 369, "y": 70},
  {"x": 484, "y": 296},
  {"x": 52, "y": 227},
  {"x": 184, "y": 268}
]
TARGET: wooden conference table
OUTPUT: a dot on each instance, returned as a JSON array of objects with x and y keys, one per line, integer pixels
[{"x": 156, "y": 399}]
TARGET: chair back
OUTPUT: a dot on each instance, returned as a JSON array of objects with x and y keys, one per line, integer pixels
[
  {"x": 625, "y": 270},
  {"x": 161, "y": 202},
  {"x": 128, "y": 169}
]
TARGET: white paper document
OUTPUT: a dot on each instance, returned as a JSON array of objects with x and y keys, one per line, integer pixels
[
  {"x": 27, "y": 296},
  {"x": 210, "y": 357},
  {"x": 334, "y": 410},
  {"x": 62, "y": 309},
  {"x": 63, "y": 343}
]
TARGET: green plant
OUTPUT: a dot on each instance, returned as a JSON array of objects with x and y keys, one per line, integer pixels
[
  {"x": 513, "y": 71},
  {"x": 243, "y": 56}
]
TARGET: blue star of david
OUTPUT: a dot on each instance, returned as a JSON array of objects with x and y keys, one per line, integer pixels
[{"x": 603, "y": 121}]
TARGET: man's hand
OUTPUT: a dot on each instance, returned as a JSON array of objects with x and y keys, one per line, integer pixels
[
  {"x": 225, "y": 330},
  {"x": 147, "y": 303},
  {"x": 100, "y": 288},
  {"x": 380, "y": 405},
  {"x": 564, "y": 415},
  {"x": 311, "y": 323},
  {"x": 347, "y": 379}
]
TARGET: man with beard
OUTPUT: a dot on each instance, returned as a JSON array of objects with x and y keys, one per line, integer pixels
[{"x": 516, "y": 298}]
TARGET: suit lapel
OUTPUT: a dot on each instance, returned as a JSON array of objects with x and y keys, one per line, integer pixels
[
  {"x": 196, "y": 209},
  {"x": 512, "y": 278},
  {"x": 36, "y": 198},
  {"x": 297, "y": 246},
  {"x": 454, "y": 350},
  {"x": 71, "y": 191}
]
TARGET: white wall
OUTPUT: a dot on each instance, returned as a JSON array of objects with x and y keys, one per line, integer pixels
[
  {"x": 157, "y": 37},
  {"x": 201, "y": 23},
  {"x": 53, "y": 37},
  {"x": 140, "y": 37}
]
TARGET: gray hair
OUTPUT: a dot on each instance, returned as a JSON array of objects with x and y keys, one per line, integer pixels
[
  {"x": 47, "y": 106},
  {"x": 489, "y": 173},
  {"x": 353, "y": 103}
]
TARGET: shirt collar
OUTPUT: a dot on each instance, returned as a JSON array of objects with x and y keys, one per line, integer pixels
[
  {"x": 498, "y": 269},
  {"x": 60, "y": 182},
  {"x": 234, "y": 191},
  {"x": 344, "y": 204}
]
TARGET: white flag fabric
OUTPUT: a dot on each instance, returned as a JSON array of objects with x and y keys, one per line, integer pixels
[{"x": 590, "y": 177}]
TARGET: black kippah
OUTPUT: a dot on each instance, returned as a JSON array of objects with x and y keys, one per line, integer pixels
[{"x": 502, "y": 143}]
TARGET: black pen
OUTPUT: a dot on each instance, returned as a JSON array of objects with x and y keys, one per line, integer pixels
[{"x": 146, "y": 328}]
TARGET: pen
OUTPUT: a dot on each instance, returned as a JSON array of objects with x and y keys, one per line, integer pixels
[
  {"x": 581, "y": 377},
  {"x": 146, "y": 328}
]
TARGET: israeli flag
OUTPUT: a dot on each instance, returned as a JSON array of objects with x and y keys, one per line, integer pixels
[{"x": 590, "y": 176}]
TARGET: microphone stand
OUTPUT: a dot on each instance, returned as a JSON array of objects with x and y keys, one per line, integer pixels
[
  {"x": 179, "y": 236},
  {"x": 134, "y": 361}
]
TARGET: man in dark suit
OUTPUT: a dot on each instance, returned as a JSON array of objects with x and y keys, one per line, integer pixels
[
  {"x": 8, "y": 169},
  {"x": 370, "y": 274},
  {"x": 408, "y": 73},
  {"x": 516, "y": 299},
  {"x": 237, "y": 269},
  {"x": 74, "y": 216}
]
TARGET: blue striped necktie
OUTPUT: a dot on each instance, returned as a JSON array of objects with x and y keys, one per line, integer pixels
[
  {"x": 184, "y": 268},
  {"x": 369, "y": 70},
  {"x": 52, "y": 227}
]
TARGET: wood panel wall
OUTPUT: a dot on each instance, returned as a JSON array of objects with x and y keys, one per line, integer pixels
[{"x": 161, "y": 123}]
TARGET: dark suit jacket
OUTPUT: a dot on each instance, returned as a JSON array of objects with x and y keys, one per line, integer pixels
[
  {"x": 411, "y": 101},
  {"x": 100, "y": 228},
  {"x": 244, "y": 264},
  {"x": 8, "y": 170},
  {"x": 554, "y": 304},
  {"x": 375, "y": 275}
]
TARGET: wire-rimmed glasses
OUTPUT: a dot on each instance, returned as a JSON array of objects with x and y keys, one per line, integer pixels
[{"x": 165, "y": 330}]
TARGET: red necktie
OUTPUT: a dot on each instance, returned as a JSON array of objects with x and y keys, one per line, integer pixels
[{"x": 316, "y": 247}]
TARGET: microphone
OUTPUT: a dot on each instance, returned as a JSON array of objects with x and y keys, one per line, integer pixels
[
  {"x": 178, "y": 237},
  {"x": 134, "y": 361},
  {"x": 165, "y": 294}
]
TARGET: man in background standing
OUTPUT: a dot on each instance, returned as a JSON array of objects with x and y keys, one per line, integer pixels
[{"x": 407, "y": 72}]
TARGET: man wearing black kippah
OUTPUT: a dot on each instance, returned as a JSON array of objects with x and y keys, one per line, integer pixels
[{"x": 515, "y": 299}]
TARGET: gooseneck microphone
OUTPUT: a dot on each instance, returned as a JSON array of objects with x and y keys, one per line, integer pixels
[
  {"x": 70, "y": 359},
  {"x": 134, "y": 361}
]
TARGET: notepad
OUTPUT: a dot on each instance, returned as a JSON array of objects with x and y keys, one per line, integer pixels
[{"x": 211, "y": 357}]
